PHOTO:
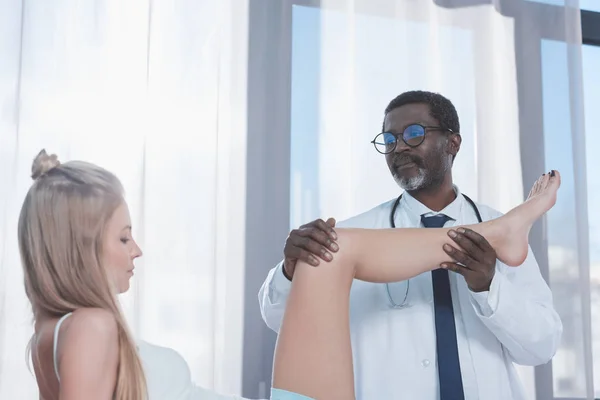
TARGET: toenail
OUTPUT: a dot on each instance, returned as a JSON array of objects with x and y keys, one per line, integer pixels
[{"x": 552, "y": 173}]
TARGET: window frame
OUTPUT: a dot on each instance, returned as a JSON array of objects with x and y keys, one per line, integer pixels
[{"x": 590, "y": 35}]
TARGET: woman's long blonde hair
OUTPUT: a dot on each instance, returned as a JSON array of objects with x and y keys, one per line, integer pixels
[{"x": 61, "y": 228}]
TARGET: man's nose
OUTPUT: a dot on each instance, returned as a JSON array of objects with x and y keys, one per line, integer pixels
[{"x": 400, "y": 146}]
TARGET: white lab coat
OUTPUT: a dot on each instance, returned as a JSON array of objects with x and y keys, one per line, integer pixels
[{"x": 394, "y": 350}]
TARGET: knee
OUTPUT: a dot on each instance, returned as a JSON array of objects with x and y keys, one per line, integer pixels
[
  {"x": 346, "y": 256},
  {"x": 346, "y": 240},
  {"x": 341, "y": 267}
]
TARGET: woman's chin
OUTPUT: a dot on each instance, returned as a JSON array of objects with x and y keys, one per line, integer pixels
[{"x": 123, "y": 287}]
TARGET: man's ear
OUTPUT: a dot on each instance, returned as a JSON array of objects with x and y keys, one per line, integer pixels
[{"x": 454, "y": 144}]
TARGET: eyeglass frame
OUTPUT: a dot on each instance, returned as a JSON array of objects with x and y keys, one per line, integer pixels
[{"x": 396, "y": 135}]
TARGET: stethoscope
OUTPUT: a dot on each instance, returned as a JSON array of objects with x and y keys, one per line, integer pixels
[{"x": 404, "y": 302}]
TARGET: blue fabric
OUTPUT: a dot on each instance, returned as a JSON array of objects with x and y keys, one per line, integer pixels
[
  {"x": 451, "y": 387},
  {"x": 278, "y": 394}
]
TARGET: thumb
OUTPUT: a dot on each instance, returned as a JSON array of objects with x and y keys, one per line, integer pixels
[
  {"x": 331, "y": 222},
  {"x": 289, "y": 266}
]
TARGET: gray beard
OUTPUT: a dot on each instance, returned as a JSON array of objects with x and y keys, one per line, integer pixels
[
  {"x": 421, "y": 180},
  {"x": 413, "y": 183}
]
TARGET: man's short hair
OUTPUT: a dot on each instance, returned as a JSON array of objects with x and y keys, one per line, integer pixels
[{"x": 440, "y": 107}]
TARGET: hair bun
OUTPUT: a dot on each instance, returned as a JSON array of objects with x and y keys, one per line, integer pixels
[{"x": 43, "y": 163}]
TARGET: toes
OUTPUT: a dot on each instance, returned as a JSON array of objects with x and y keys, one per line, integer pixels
[
  {"x": 550, "y": 175},
  {"x": 541, "y": 183},
  {"x": 555, "y": 177},
  {"x": 546, "y": 180},
  {"x": 536, "y": 187}
]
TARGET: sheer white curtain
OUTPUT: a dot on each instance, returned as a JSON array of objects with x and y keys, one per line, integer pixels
[
  {"x": 155, "y": 92},
  {"x": 497, "y": 62}
]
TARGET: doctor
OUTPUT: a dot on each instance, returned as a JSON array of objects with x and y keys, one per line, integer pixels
[{"x": 440, "y": 335}]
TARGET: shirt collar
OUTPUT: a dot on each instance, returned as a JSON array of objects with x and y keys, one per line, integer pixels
[{"x": 414, "y": 208}]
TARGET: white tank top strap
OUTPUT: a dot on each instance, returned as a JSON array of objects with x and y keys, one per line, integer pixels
[{"x": 55, "y": 343}]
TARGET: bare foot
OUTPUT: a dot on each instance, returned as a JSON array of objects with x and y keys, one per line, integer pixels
[
  {"x": 544, "y": 191},
  {"x": 512, "y": 229}
]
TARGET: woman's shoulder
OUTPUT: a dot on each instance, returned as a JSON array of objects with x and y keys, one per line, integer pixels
[
  {"x": 92, "y": 321},
  {"x": 88, "y": 329},
  {"x": 88, "y": 346}
]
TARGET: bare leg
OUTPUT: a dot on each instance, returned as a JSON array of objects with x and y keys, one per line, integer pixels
[{"x": 313, "y": 355}]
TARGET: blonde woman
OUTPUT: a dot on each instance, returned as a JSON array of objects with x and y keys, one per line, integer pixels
[{"x": 78, "y": 253}]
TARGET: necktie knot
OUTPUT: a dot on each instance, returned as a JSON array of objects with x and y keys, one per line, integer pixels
[{"x": 434, "y": 221}]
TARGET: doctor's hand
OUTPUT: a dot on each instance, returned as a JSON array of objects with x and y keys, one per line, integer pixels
[
  {"x": 309, "y": 243},
  {"x": 475, "y": 258}
]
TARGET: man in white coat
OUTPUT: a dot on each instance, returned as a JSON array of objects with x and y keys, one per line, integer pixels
[{"x": 440, "y": 335}]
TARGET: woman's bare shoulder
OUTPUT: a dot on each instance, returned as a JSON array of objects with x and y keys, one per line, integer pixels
[
  {"x": 89, "y": 350},
  {"x": 87, "y": 330},
  {"x": 92, "y": 320}
]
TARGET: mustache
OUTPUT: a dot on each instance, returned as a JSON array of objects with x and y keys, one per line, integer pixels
[{"x": 406, "y": 159}]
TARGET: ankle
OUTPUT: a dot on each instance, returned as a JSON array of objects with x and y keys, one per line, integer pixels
[{"x": 494, "y": 231}]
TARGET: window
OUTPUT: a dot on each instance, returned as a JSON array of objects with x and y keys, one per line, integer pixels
[
  {"x": 334, "y": 169},
  {"x": 561, "y": 223},
  {"x": 590, "y": 24},
  {"x": 304, "y": 144},
  {"x": 591, "y": 81},
  {"x": 591, "y": 5}
]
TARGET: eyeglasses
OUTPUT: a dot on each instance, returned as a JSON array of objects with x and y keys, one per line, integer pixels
[{"x": 413, "y": 135}]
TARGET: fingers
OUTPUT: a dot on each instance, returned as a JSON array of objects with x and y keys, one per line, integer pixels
[
  {"x": 289, "y": 267},
  {"x": 317, "y": 235},
  {"x": 454, "y": 267},
  {"x": 464, "y": 234},
  {"x": 312, "y": 242},
  {"x": 459, "y": 256},
  {"x": 466, "y": 244},
  {"x": 307, "y": 257},
  {"x": 326, "y": 227},
  {"x": 309, "y": 254}
]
